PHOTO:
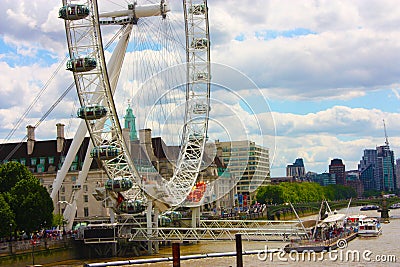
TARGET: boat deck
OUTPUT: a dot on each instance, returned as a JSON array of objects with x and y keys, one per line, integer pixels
[{"x": 339, "y": 241}]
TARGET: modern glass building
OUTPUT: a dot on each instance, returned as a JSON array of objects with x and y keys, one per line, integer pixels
[
  {"x": 248, "y": 163},
  {"x": 377, "y": 169}
]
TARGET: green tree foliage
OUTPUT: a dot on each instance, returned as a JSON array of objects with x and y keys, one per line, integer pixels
[
  {"x": 10, "y": 174},
  {"x": 31, "y": 204},
  {"x": 58, "y": 219},
  {"x": 269, "y": 194},
  {"x": 302, "y": 192},
  {"x": 28, "y": 201},
  {"x": 338, "y": 192},
  {"x": 6, "y": 217}
]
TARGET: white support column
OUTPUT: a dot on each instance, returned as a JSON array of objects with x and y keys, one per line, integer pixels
[
  {"x": 195, "y": 216},
  {"x": 149, "y": 224},
  {"x": 69, "y": 215},
  {"x": 155, "y": 225}
]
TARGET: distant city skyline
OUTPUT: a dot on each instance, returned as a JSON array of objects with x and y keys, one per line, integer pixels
[{"x": 328, "y": 71}]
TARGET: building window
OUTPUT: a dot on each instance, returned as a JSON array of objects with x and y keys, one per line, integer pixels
[
  {"x": 62, "y": 198},
  {"x": 73, "y": 179},
  {"x": 86, "y": 212},
  {"x": 33, "y": 161},
  {"x": 40, "y": 168},
  {"x": 62, "y": 189},
  {"x": 85, "y": 188},
  {"x": 23, "y": 161},
  {"x": 51, "y": 160},
  {"x": 86, "y": 198},
  {"x": 42, "y": 161},
  {"x": 74, "y": 167}
]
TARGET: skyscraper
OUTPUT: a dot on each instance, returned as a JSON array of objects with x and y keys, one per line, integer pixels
[
  {"x": 377, "y": 169},
  {"x": 385, "y": 169},
  {"x": 296, "y": 170},
  {"x": 338, "y": 168},
  {"x": 367, "y": 169}
]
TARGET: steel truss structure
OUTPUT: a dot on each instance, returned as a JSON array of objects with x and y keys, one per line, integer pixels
[{"x": 96, "y": 87}]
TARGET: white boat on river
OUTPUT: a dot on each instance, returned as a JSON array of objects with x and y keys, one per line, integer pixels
[{"x": 369, "y": 227}]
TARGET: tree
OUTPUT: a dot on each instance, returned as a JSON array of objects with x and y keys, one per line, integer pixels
[
  {"x": 31, "y": 204},
  {"x": 269, "y": 194},
  {"x": 7, "y": 217},
  {"x": 23, "y": 196},
  {"x": 11, "y": 173}
]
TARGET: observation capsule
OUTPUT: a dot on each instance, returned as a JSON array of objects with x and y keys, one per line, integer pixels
[
  {"x": 201, "y": 76},
  {"x": 73, "y": 12},
  {"x": 199, "y": 43},
  {"x": 81, "y": 64},
  {"x": 131, "y": 206},
  {"x": 164, "y": 220},
  {"x": 118, "y": 184},
  {"x": 200, "y": 109},
  {"x": 199, "y": 9},
  {"x": 105, "y": 152},
  {"x": 195, "y": 137},
  {"x": 175, "y": 216},
  {"x": 93, "y": 112}
]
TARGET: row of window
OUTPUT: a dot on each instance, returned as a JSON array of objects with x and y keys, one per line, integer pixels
[
  {"x": 41, "y": 160},
  {"x": 62, "y": 189}
]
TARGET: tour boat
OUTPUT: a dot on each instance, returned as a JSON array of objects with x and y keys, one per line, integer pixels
[
  {"x": 369, "y": 227},
  {"x": 369, "y": 207}
]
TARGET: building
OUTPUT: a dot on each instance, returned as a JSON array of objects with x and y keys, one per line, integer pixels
[
  {"x": 296, "y": 170},
  {"x": 323, "y": 179},
  {"x": 248, "y": 163},
  {"x": 284, "y": 179},
  {"x": 377, "y": 169},
  {"x": 386, "y": 178},
  {"x": 397, "y": 170},
  {"x": 353, "y": 181},
  {"x": 338, "y": 168},
  {"x": 367, "y": 169},
  {"x": 45, "y": 158}
]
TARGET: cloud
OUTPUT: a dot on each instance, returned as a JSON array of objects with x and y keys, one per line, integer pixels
[
  {"x": 339, "y": 131},
  {"x": 321, "y": 52}
]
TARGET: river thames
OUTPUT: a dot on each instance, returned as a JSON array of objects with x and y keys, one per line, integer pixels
[{"x": 373, "y": 251}]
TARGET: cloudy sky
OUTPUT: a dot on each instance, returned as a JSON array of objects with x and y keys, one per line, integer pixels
[{"x": 328, "y": 72}]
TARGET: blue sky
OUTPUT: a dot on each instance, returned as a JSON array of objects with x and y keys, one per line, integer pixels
[{"x": 328, "y": 70}]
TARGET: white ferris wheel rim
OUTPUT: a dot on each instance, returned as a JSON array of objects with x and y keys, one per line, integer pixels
[{"x": 95, "y": 87}]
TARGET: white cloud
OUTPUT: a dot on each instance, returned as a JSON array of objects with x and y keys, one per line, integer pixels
[{"x": 352, "y": 50}]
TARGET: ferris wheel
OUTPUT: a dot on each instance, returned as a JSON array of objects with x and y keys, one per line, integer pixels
[{"x": 172, "y": 95}]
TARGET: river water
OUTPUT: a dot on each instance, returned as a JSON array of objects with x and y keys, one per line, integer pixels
[{"x": 373, "y": 251}]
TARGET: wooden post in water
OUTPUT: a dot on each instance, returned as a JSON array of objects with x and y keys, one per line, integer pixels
[
  {"x": 176, "y": 255},
  {"x": 239, "y": 253}
]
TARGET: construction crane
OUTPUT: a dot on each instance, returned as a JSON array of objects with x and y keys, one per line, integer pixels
[{"x": 386, "y": 137}]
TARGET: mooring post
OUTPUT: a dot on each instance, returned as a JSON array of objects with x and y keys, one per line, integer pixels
[
  {"x": 239, "y": 253},
  {"x": 176, "y": 254}
]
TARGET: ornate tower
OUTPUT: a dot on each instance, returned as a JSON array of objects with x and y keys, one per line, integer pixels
[{"x": 130, "y": 123}]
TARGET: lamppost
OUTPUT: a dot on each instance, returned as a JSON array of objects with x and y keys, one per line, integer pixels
[{"x": 10, "y": 238}]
